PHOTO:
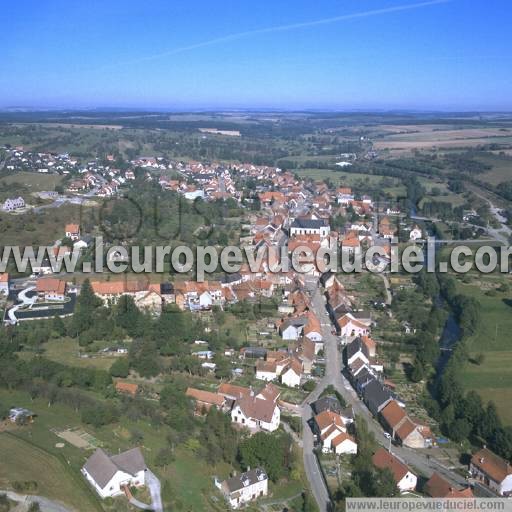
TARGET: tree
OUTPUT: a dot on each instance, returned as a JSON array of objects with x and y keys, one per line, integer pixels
[
  {"x": 164, "y": 457},
  {"x": 58, "y": 326},
  {"x": 223, "y": 367},
  {"x": 271, "y": 451},
  {"x": 86, "y": 304},
  {"x": 4, "y": 411},
  {"x": 120, "y": 368},
  {"x": 127, "y": 315}
]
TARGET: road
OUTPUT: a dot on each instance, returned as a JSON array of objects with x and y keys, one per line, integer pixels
[
  {"x": 419, "y": 461},
  {"x": 45, "y": 504}
]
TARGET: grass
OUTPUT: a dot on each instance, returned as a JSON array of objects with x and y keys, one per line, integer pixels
[
  {"x": 22, "y": 461},
  {"x": 391, "y": 186},
  {"x": 65, "y": 351},
  {"x": 33, "y": 180},
  {"x": 501, "y": 168},
  {"x": 493, "y": 378}
]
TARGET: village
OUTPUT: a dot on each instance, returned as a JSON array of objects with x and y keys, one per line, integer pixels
[{"x": 315, "y": 367}]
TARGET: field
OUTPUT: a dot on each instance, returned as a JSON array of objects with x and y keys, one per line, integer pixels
[
  {"x": 501, "y": 168},
  {"x": 21, "y": 462},
  {"x": 392, "y": 186},
  {"x": 409, "y": 138},
  {"x": 32, "y": 180},
  {"x": 493, "y": 378},
  {"x": 65, "y": 351}
]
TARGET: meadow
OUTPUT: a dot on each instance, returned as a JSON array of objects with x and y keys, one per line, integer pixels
[{"x": 492, "y": 379}]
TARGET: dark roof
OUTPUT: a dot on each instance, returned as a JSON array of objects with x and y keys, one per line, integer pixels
[
  {"x": 361, "y": 314},
  {"x": 295, "y": 321},
  {"x": 102, "y": 467},
  {"x": 363, "y": 377},
  {"x": 326, "y": 403},
  {"x": 308, "y": 223},
  {"x": 254, "y": 352},
  {"x": 376, "y": 395},
  {"x": 356, "y": 346},
  {"x": 236, "y": 483},
  {"x": 166, "y": 288},
  {"x": 230, "y": 278},
  {"x": 325, "y": 277}
]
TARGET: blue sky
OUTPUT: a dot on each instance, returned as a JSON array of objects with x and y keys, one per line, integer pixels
[{"x": 362, "y": 54}]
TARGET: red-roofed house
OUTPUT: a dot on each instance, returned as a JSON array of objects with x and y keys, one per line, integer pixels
[
  {"x": 405, "y": 479},
  {"x": 493, "y": 471}
]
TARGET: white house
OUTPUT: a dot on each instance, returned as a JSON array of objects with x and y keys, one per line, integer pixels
[
  {"x": 349, "y": 325},
  {"x": 291, "y": 374},
  {"x": 258, "y": 412},
  {"x": 415, "y": 233},
  {"x": 304, "y": 226},
  {"x": 493, "y": 471},
  {"x": 110, "y": 474},
  {"x": 404, "y": 478},
  {"x": 344, "y": 443},
  {"x": 292, "y": 328},
  {"x": 239, "y": 490},
  {"x": 72, "y": 231},
  {"x": 13, "y": 204},
  {"x": 266, "y": 370}
]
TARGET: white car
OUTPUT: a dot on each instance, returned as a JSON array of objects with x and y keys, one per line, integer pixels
[{"x": 387, "y": 435}]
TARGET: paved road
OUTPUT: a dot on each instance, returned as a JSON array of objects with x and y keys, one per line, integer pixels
[
  {"x": 155, "y": 490},
  {"x": 45, "y": 504},
  {"x": 419, "y": 461},
  {"x": 386, "y": 288}
]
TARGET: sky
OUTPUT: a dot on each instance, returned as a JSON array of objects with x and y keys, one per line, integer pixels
[{"x": 451, "y": 55}]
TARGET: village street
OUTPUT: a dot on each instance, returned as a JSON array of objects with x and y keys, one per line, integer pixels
[{"x": 416, "y": 460}]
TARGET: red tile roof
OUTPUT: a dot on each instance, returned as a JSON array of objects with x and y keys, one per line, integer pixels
[
  {"x": 491, "y": 464},
  {"x": 438, "y": 487},
  {"x": 383, "y": 459}
]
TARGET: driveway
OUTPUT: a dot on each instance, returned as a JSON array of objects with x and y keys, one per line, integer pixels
[
  {"x": 155, "y": 490},
  {"x": 45, "y": 504}
]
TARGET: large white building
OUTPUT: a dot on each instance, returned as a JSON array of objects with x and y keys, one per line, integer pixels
[
  {"x": 13, "y": 204},
  {"x": 239, "y": 490},
  {"x": 303, "y": 226},
  {"x": 110, "y": 474},
  {"x": 258, "y": 412}
]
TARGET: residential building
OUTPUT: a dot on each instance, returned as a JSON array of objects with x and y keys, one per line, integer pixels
[
  {"x": 13, "y": 204},
  {"x": 247, "y": 487},
  {"x": 376, "y": 396},
  {"x": 438, "y": 487},
  {"x": 127, "y": 388},
  {"x": 4, "y": 284},
  {"x": 72, "y": 231},
  {"x": 306, "y": 226},
  {"x": 258, "y": 411},
  {"x": 493, "y": 471},
  {"x": 50, "y": 289},
  {"x": 415, "y": 233},
  {"x": 205, "y": 400},
  {"x": 405, "y": 479},
  {"x": 109, "y": 475}
]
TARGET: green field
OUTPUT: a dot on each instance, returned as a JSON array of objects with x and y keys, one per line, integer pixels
[
  {"x": 65, "y": 351},
  {"x": 392, "y": 186},
  {"x": 501, "y": 168},
  {"x": 32, "y": 180},
  {"x": 21, "y": 461},
  {"x": 493, "y": 378}
]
